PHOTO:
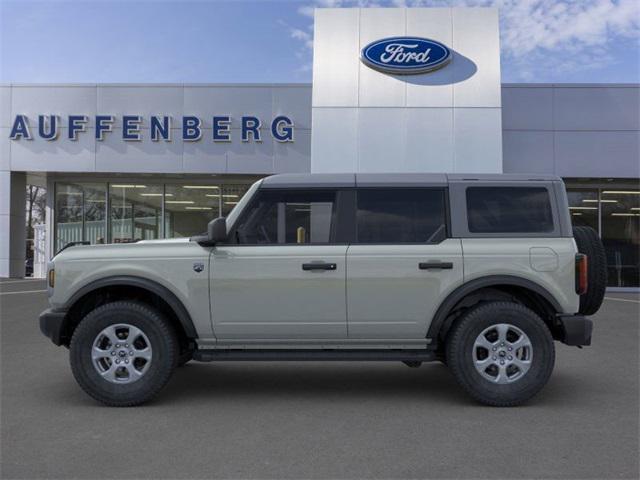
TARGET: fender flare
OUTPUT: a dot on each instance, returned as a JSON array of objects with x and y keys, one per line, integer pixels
[
  {"x": 440, "y": 317},
  {"x": 150, "y": 285}
]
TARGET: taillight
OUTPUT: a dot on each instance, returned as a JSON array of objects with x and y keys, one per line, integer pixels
[{"x": 582, "y": 279}]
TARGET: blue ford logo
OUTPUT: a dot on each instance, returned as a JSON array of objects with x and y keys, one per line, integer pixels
[{"x": 405, "y": 55}]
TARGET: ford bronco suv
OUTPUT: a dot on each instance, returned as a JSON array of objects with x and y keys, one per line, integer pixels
[{"x": 480, "y": 272}]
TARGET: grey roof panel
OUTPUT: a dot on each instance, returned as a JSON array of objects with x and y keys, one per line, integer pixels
[
  {"x": 400, "y": 179},
  {"x": 500, "y": 177},
  {"x": 309, "y": 180}
]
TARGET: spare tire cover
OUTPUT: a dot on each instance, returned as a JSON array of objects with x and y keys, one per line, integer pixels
[{"x": 589, "y": 243}]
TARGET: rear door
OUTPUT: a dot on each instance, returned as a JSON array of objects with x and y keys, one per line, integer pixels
[{"x": 401, "y": 264}]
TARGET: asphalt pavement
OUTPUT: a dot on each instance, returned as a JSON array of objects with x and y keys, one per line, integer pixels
[{"x": 318, "y": 420}]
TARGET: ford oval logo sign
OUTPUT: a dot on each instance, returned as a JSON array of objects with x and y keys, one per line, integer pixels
[{"x": 405, "y": 55}]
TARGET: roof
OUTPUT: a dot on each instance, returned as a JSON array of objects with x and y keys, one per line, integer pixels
[{"x": 319, "y": 180}]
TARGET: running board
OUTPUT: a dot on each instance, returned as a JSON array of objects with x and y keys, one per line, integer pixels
[{"x": 313, "y": 355}]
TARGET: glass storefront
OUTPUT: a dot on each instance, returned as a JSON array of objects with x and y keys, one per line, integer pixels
[
  {"x": 138, "y": 211},
  {"x": 188, "y": 209},
  {"x": 614, "y": 212},
  {"x": 135, "y": 212}
]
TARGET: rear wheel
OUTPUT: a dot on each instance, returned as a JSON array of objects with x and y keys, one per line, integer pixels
[
  {"x": 501, "y": 353},
  {"x": 589, "y": 243},
  {"x": 123, "y": 353}
]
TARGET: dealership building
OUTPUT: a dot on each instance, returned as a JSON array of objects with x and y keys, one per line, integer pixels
[{"x": 124, "y": 162}]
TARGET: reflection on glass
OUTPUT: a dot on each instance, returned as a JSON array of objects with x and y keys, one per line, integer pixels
[
  {"x": 583, "y": 206},
  {"x": 68, "y": 214},
  {"x": 231, "y": 195},
  {"x": 136, "y": 212},
  {"x": 188, "y": 209},
  {"x": 621, "y": 236},
  {"x": 291, "y": 217},
  {"x": 95, "y": 210}
]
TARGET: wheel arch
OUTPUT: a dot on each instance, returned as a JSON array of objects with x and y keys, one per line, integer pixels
[
  {"x": 497, "y": 287},
  {"x": 112, "y": 288}
]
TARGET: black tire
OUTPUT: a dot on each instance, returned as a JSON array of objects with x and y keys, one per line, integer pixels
[
  {"x": 460, "y": 351},
  {"x": 589, "y": 243},
  {"x": 164, "y": 347},
  {"x": 185, "y": 358}
]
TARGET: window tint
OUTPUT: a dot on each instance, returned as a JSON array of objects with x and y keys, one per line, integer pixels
[
  {"x": 288, "y": 217},
  {"x": 509, "y": 210},
  {"x": 401, "y": 215}
]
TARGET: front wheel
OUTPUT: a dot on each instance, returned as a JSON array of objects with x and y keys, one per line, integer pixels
[
  {"x": 501, "y": 353},
  {"x": 123, "y": 353}
]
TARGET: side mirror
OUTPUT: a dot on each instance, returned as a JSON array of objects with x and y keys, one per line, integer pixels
[{"x": 217, "y": 230}]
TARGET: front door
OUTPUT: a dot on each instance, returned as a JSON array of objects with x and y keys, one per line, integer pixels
[
  {"x": 282, "y": 275},
  {"x": 401, "y": 264}
]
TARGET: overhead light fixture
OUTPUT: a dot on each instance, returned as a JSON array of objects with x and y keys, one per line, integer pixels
[
  {"x": 229, "y": 196},
  {"x": 230, "y": 203},
  {"x": 622, "y": 192},
  {"x": 635, "y": 208},
  {"x": 576, "y": 213},
  {"x": 156, "y": 194},
  {"x": 180, "y": 202},
  {"x": 201, "y": 187},
  {"x": 212, "y": 195},
  {"x": 601, "y": 201},
  {"x": 129, "y": 186},
  {"x": 625, "y": 214},
  {"x": 198, "y": 208},
  {"x": 583, "y": 208}
]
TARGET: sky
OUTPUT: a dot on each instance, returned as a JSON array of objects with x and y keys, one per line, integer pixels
[{"x": 173, "y": 41}]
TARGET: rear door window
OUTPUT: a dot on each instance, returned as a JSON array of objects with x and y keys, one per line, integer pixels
[
  {"x": 399, "y": 215},
  {"x": 509, "y": 210}
]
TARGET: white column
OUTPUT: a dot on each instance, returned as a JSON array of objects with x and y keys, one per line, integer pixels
[{"x": 12, "y": 223}]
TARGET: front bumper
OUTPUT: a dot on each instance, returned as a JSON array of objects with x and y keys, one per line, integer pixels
[
  {"x": 575, "y": 330},
  {"x": 52, "y": 325}
]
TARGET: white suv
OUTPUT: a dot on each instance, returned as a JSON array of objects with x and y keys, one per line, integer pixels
[{"x": 480, "y": 272}]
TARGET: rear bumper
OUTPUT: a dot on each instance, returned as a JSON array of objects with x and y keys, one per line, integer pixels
[
  {"x": 575, "y": 330},
  {"x": 52, "y": 323}
]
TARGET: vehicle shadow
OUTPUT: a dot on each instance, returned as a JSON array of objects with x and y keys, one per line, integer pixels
[{"x": 197, "y": 381}]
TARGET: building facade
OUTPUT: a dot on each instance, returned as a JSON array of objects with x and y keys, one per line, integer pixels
[{"x": 128, "y": 162}]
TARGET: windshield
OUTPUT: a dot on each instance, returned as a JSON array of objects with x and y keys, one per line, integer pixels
[{"x": 233, "y": 215}]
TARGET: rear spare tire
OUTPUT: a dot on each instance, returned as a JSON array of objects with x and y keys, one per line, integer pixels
[{"x": 589, "y": 243}]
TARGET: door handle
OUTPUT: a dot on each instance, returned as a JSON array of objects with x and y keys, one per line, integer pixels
[
  {"x": 435, "y": 265},
  {"x": 319, "y": 266}
]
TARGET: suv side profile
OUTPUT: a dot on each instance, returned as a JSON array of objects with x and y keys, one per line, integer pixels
[{"x": 481, "y": 272}]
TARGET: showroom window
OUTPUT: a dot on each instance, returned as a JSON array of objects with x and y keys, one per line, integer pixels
[
  {"x": 68, "y": 213},
  {"x": 621, "y": 234},
  {"x": 188, "y": 209},
  {"x": 583, "y": 206},
  {"x": 124, "y": 212},
  {"x": 614, "y": 212},
  {"x": 135, "y": 212}
]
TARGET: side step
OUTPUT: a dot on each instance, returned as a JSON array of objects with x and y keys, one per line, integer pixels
[{"x": 214, "y": 355}]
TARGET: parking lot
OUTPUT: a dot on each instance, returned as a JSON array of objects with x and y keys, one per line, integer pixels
[{"x": 318, "y": 420}]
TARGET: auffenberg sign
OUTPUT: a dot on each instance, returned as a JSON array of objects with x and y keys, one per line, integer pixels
[{"x": 48, "y": 127}]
